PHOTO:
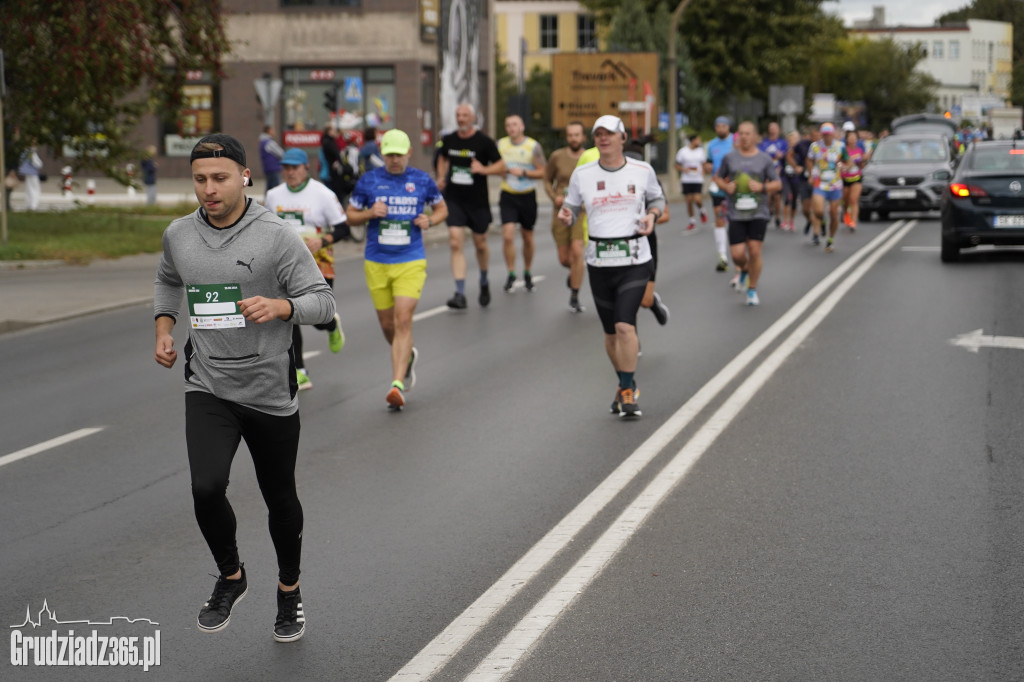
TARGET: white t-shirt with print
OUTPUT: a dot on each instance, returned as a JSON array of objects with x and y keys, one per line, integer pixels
[{"x": 616, "y": 203}]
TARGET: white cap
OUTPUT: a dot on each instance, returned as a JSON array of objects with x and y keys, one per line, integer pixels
[
  {"x": 849, "y": 125},
  {"x": 612, "y": 124}
]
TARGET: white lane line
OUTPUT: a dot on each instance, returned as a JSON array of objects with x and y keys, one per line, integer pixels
[
  {"x": 431, "y": 312},
  {"x": 306, "y": 355},
  {"x": 52, "y": 443},
  {"x": 476, "y": 616},
  {"x": 532, "y": 627}
]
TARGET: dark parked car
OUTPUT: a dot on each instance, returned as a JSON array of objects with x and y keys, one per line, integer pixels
[
  {"x": 984, "y": 203},
  {"x": 907, "y": 172}
]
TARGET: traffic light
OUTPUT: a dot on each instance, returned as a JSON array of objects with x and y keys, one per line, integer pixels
[{"x": 331, "y": 99}]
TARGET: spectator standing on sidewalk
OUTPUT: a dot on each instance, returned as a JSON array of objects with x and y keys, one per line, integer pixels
[
  {"x": 149, "y": 166},
  {"x": 29, "y": 169},
  {"x": 270, "y": 156}
]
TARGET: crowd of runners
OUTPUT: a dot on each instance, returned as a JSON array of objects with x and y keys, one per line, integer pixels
[{"x": 250, "y": 273}]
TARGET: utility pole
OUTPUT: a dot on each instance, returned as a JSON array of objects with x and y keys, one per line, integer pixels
[{"x": 673, "y": 95}]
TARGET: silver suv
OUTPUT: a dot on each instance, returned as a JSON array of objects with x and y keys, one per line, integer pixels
[{"x": 907, "y": 172}]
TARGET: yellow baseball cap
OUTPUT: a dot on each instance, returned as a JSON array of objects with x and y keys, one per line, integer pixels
[{"x": 395, "y": 142}]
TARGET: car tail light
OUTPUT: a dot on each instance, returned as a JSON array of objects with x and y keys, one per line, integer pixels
[{"x": 958, "y": 189}]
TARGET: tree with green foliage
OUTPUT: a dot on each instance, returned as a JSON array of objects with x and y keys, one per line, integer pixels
[
  {"x": 740, "y": 49},
  {"x": 1011, "y": 11},
  {"x": 633, "y": 31},
  {"x": 82, "y": 73},
  {"x": 853, "y": 74}
]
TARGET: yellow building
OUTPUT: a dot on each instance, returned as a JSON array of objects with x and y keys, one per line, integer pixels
[{"x": 547, "y": 27}]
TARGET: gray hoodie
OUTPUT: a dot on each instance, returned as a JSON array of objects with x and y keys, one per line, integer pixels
[{"x": 251, "y": 364}]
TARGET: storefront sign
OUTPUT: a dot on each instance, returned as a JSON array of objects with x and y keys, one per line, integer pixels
[
  {"x": 176, "y": 145},
  {"x": 302, "y": 138},
  {"x": 430, "y": 20}
]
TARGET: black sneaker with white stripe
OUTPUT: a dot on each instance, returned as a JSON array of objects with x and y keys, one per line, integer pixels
[
  {"x": 660, "y": 310},
  {"x": 216, "y": 612},
  {"x": 291, "y": 620}
]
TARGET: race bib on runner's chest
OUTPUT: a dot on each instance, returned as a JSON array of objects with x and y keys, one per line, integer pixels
[
  {"x": 394, "y": 232},
  {"x": 461, "y": 175},
  {"x": 746, "y": 202},
  {"x": 214, "y": 306},
  {"x": 612, "y": 253}
]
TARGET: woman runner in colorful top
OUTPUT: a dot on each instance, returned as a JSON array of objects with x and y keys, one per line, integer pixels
[{"x": 854, "y": 158}]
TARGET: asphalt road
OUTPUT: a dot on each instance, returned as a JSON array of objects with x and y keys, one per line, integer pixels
[{"x": 850, "y": 511}]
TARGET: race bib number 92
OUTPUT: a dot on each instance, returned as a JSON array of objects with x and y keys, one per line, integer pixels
[{"x": 214, "y": 306}]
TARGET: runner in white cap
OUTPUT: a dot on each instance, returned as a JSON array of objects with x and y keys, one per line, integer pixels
[{"x": 623, "y": 200}]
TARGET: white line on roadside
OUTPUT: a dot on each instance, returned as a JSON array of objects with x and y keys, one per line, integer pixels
[
  {"x": 306, "y": 355},
  {"x": 476, "y": 616},
  {"x": 920, "y": 248},
  {"x": 431, "y": 312},
  {"x": 47, "y": 445},
  {"x": 532, "y": 627}
]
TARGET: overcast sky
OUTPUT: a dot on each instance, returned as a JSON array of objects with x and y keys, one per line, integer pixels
[{"x": 897, "y": 12}]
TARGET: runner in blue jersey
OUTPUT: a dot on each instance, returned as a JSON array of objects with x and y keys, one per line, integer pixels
[
  {"x": 775, "y": 146},
  {"x": 394, "y": 200},
  {"x": 717, "y": 149}
]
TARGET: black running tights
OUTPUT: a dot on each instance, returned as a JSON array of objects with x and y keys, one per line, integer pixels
[{"x": 213, "y": 429}]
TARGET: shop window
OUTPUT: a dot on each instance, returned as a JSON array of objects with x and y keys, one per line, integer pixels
[
  {"x": 198, "y": 117},
  {"x": 362, "y": 97}
]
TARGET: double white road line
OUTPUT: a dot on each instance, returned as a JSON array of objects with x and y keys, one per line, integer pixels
[{"x": 531, "y": 628}]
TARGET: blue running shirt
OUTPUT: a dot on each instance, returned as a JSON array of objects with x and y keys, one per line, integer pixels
[
  {"x": 395, "y": 239},
  {"x": 717, "y": 149}
]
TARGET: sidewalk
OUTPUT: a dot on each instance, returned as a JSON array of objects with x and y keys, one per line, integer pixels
[
  {"x": 43, "y": 292},
  {"x": 170, "y": 192}
]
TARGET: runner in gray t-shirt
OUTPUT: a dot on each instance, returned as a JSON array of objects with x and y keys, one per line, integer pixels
[{"x": 747, "y": 175}]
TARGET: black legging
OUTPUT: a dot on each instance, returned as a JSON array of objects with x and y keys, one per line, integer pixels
[
  {"x": 213, "y": 429},
  {"x": 618, "y": 292},
  {"x": 297, "y": 334}
]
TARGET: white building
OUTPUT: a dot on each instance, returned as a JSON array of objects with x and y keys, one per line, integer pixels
[{"x": 972, "y": 61}]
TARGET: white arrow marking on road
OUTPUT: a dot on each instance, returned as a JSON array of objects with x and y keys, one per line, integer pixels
[
  {"x": 972, "y": 341},
  {"x": 52, "y": 443}
]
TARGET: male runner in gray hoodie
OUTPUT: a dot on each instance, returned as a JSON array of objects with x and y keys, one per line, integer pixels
[{"x": 247, "y": 277}]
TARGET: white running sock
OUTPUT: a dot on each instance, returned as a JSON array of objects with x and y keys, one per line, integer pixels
[{"x": 722, "y": 242}]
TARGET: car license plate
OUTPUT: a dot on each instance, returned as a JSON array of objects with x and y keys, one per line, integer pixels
[
  {"x": 902, "y": 194},
  {"x": 1008, "y": 221}
]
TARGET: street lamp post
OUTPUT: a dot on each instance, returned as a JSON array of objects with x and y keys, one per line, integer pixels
[{"x": 673, "y": 95}]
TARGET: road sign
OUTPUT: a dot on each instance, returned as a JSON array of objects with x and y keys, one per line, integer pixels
[
  {"x": 586, "y": 85},
  {"x": 268, "y": 90},
  {"x": 353, "y": 89}
]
